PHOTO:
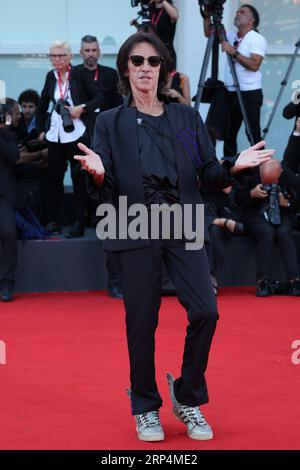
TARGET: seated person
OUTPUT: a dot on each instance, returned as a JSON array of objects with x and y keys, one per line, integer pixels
[
  {"x": 268, "y": 197},
  {"x": 291, "y": 157},
  {"x": 178, "y": 88},
  {"x": 221, "y": 223},
  {"x": 32, "y": 147}
]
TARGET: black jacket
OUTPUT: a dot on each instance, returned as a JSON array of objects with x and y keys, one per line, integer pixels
[
  {"x": 253, "y": 206},
  {"x": 9, "y": 155},
  {"x": 116, "y": 141},
  {"x": 291, "y": 111},
  {"x": 107, "y": 83},
  {"x": 83, "y": 91}
]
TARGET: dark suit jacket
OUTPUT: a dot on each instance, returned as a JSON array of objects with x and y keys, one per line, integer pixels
[
  {"x": 116, "y": 141},
  {"x": 9, "y": 155},
  {"x": 108, "y": 85},
  {"x": 83, "y": 91}
]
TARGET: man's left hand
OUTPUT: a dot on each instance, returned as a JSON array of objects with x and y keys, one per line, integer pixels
[{"x": 252, "y": 157}]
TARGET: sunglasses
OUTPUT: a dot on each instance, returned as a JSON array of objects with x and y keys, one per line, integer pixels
[{"x": 153, "y": 60}]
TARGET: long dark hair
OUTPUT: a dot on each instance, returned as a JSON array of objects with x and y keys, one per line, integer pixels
[{"x": 124, "y": 53}]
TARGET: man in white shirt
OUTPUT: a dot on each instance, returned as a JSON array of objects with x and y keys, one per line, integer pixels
[{"x": 247, "y": 48}]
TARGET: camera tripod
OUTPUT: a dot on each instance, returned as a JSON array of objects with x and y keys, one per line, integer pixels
[
  {"x": 283, "y": 84},
  {"x": 217, "y": 34},
  {"x": 146, "y": 18}
]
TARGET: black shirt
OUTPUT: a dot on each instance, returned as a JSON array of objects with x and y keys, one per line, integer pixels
[
  {"x": 157, "y": 160},
  {"x": 165, "y": 29}
]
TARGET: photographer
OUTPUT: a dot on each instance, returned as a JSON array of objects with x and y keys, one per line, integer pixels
[
  {"x": 247, "y": 48},
  {"x": 164, "y": 16},
  {"x": 9, "y": 155},
  {"x": 291, "y": 158},
  {"x": 73, "y": 95},
  {"x": 32, "y": 147},
  {"x": 268, "y": 197}
]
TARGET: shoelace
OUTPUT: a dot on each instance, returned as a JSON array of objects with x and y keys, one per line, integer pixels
[
  {"x": 149, "y": 419},
  {"x": 192, "y": 415}
]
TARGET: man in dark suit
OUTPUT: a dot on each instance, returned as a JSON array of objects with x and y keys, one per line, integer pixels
[
  {"x": 9, "y": 155},
  {"x": 107, "y": 80}
]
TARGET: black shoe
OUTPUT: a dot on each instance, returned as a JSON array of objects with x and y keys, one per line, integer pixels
[
  {"x": 115, "y": 292},
  {"x": 263, "y": 288},
  {"x": 75, "y": 232},
  {"x": 54, "y": 228},
  {"x": 294, "y": 287},
  {"x": 6, "y": 294}
]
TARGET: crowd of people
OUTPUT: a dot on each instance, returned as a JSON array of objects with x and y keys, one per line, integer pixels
[{"x": 135, "y": 133}]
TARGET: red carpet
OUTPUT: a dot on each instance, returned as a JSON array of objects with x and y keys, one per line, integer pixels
[{"x": 63, "y": 386}]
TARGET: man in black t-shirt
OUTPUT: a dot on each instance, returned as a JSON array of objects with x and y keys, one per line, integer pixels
[{"x": 106, "y": 77}]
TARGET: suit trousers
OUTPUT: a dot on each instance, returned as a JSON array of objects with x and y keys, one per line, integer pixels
[
  {"x": 189, "y": 271},
  {"x": 253, "y": 101},
  {"x": 9, "y": 248},
  {"x": 59, "y": 155},
  {"x": 266, "y": 236}
]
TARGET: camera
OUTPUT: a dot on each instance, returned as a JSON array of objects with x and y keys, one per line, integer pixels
[
  {"x": 67, "y": 121},
  {"x": 211, "y": 3},
  {"x": 5, "y": 116},
  {"x": 145, "y": 14},
  {"x": 32, "y": 143},
  {"x": 135, "y": 3},
  {"x": 214, "y": 7},
  {"x": 271, "y": 210}
]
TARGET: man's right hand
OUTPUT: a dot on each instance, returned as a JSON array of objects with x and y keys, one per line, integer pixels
[
  {"x": 258, "y": 192},
  {"x": 91, "y": 162}
]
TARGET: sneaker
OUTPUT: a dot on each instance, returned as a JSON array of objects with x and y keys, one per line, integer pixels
[
  {"x": 148, "y": 427},
  {"x": 115, "y": 292},
  {"x": 263, "y": 288},
  {"x": 295, "y": 287},
  {"x": 6, "y": 294},
  {"x": 191, "y": 416}
]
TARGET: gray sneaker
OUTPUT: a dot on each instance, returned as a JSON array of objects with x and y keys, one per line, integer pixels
[
  {"x": 196, "y": 426},
  {"x": 148, "y": 426}
]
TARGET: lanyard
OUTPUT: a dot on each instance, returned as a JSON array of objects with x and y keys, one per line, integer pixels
[
  {"x": 237, "y": 42},
  {"x": 60, "y": 84},
  {"x": 156, "y": 18},
  {"x": 96, "y": 76}
]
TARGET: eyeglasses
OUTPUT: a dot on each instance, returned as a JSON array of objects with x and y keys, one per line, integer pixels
[
  {"x": 153, "y": 60},
  {"x": 57, "y": 56}
]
